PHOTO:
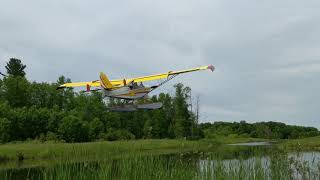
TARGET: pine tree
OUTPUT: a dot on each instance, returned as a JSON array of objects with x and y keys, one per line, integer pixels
[
  {"x": 16, "y": 91},
  {"x": 1, "y": 90},
  {"x": 15, "y": 68}
]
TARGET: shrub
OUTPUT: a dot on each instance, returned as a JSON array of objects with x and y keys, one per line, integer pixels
[
  {"x": 114, "y": 135},
  {"x": 73, "y": 129}
]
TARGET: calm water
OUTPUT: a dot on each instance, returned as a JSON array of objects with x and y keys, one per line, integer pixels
[
  {"x": 310, "y": 161},
  {"x": 252, "y": 144},
  {"x": 256, "y": 159}
]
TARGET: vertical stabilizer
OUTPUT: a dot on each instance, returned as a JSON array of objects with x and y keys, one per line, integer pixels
[{"x": 104, "y": 81}]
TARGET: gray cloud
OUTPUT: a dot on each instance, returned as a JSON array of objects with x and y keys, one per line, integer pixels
[{"x": 267, "y": 54}]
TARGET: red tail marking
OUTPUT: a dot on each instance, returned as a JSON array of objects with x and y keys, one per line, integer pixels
[{"x": 88, "y": 88}]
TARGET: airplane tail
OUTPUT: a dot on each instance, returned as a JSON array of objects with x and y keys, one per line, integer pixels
[{"x": 105, "y": 82}]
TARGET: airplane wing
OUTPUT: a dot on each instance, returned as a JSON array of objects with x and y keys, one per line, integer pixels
[
  {"x": 168, "y": 74},
  {"x": 123, "y": 82},
  {"x": 81, "y": 84}
]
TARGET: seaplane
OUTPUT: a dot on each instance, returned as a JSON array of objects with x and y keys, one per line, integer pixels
[{"x": 131, "y": 89}]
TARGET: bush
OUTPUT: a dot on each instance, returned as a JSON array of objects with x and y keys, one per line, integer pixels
[
  {"x": 114, "y": 135},
  {"x": 73, "y": 129},
  {"x": 96, "y": 127},
  {"x": 52, "y": 137}
]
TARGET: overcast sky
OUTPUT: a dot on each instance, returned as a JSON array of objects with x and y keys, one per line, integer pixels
[{"x": 266, "y": 53}]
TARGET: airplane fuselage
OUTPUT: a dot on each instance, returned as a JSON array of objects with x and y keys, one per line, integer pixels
[{"x": 128, "y": 92}]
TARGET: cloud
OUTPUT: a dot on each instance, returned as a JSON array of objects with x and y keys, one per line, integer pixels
[
  {"x": 266, "y": 53},
  {"x": 309, "y": 69}
]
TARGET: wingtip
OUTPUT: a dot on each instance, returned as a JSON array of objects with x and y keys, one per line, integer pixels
[{"x": 211, "y": 67}]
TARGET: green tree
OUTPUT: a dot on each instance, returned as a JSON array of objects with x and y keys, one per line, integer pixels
[
  {"x": 64, "y": 99},
  {"x": 28, "y": 122},
  {"x": 36, "y": 122},
  {"x": 1, "y": 90},
  {"x": 42, "y": 95},
  {"x": 16, "y": 91},
  {"x": 137, "y": 123},
  {"x": 96, "y": 127},
  {"x": 72, "y": 129},
  {"x": 4, "y": 130},
  {"x": 147, "y": 129},
  {"x": 90, "y": 105},
  {"x": 167, "y": 115},
  {"x": 5, "y": 109},
  {"x": 182, "y": 119},
  {"x": 15, "y": 68},
  {"x": 112, "y": 120},
  {"x": 153, "y": 125},
  {"x": 56, "y": 116}
]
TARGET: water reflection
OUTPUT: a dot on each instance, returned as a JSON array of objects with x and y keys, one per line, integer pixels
[{"x": 268, "y": 162}]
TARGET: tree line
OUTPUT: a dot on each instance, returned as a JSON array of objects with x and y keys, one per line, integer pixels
[
  {"x": 266, "y": 130},
  {"x": 32, "y": 110}
]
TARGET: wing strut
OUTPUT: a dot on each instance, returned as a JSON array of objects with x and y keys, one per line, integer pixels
[{"x": 162, "y": 83}]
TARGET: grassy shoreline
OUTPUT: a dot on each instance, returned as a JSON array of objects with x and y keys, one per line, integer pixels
[
  {"x": 51, "y": 150},
  {"x": 306, "y": 144},
  {"x": 95, "y": 150}
]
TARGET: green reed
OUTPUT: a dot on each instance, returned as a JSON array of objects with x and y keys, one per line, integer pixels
[{"x": 137, "y": 166}]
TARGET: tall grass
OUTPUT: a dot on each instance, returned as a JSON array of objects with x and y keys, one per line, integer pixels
[
  {"x": 312, "y": 143},
  {"x": 50, "y": 150},
  {"x": 153, "y": 159},
  {"x": 275, "y": 166}
]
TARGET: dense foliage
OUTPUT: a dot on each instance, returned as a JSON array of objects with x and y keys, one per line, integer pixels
[
  {"x": 39, "y": 111},
  {"x": 31, "y": 110},
  {"x": 267, "y": 130}
]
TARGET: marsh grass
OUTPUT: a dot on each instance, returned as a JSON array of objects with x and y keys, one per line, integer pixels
[
  {"x": 179, "y": 166},
  {"x": 4, "y": 159},
  {"x": 154, "y": 159},
  {"x": 312, "y": 143},
  {"x": 50, "y": 150},
  {"x": 137, "y": 167}
]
